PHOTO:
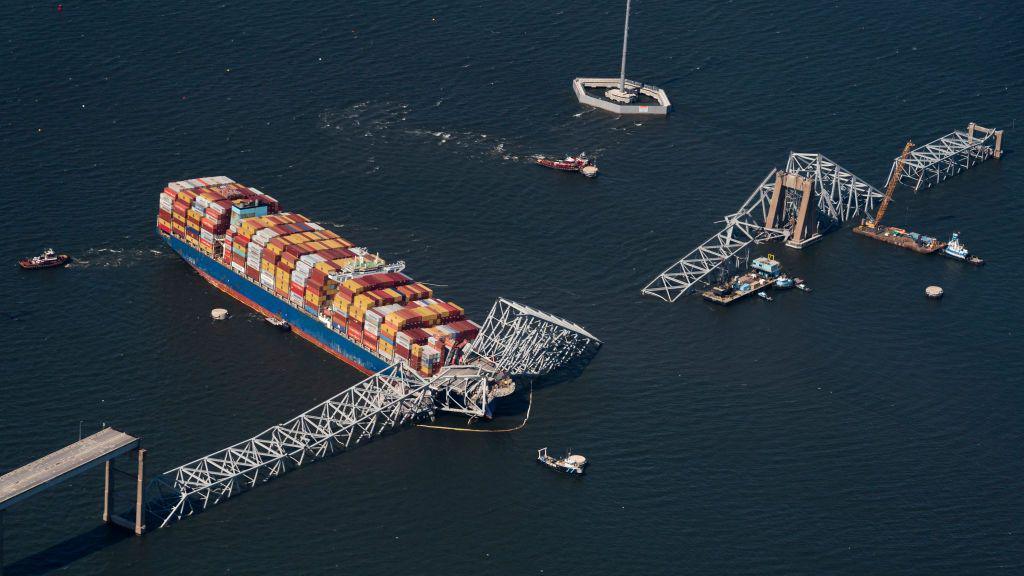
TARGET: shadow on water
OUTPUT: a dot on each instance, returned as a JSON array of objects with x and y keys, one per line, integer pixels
[
  {"x": 62, "y": 554},
  {"x": 519, "y": 402}
]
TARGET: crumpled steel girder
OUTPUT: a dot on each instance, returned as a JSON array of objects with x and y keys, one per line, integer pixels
[
  {"x": 947, "y": 156},
  {"x": 388, "y": 399},
  {"x": 515, "y": 340},
  {"x": 464, "y": 389},
  {"x": 840, "y": 196},
  {"x": 524, "y": 341}
]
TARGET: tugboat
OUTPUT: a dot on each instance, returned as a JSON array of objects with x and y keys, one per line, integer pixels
[
  {"x": 279, "y": 323},
  {"x": 784, "y": 282},
  {"x": 48, "y": 259},
  {"x": 571, "y": 464},
  {"x": 580, "y": 164},
  {"x": 956, "y": 250}
]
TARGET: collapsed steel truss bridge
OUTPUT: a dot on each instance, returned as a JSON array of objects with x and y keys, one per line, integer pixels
[
  {"x": 514, "y": 341},
  {"x": 813, "y": 187},
  {"x": 949, "y": 155},
  {"x": 812, "y": 196}
]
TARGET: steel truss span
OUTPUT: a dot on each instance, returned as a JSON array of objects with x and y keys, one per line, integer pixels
[
  {"x": 948, "y": 156},
  {"x": 388, "y": 399},
  {"x": 523, "y": 341},
  {"x": 840, "y": 196},
  {"x": 515, "y": 340}
]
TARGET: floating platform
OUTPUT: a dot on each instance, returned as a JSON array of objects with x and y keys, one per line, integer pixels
[
  {"x": 901, "y": 238},
  {"x": 754, "y": 280},
  {"x": 650, "y": 100}
]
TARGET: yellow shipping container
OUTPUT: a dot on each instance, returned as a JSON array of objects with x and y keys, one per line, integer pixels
[
  {"x": 340, "y": 300},
  {"x": 341, "y": 306},
  {"x": 326, "y": 267}
]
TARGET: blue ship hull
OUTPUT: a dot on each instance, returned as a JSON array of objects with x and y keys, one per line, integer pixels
[{"x": 256, "y": 297}]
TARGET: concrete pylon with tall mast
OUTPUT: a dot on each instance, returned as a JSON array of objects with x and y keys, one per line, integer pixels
[{"x": 621, "y": 95}]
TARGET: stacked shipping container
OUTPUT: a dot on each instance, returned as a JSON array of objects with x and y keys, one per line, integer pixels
[{"x": 302, "y": 263}]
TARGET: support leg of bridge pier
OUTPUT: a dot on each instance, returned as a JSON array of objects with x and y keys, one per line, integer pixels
[
  {"x": 108, "y": 487},
  {"x": 139, "y": 527}
]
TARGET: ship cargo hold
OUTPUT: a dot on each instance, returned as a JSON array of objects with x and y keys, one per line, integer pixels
[{"x": 334, "y": 294}]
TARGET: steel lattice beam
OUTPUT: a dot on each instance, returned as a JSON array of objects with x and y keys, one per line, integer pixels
[
  {"x": 464, "y": 389},
  {"x": 384, "y": 401},
  {"x": 947, "y": 156},
  {"x": 523, "y": 341},
  {"x": 840, "y": 196},
  {"x": 515, "y": 340}
]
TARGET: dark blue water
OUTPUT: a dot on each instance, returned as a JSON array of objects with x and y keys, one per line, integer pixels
[{"x": 861, "y": 429}]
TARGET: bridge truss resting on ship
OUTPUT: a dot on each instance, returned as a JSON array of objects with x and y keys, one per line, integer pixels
[{"x": 516, "y": 341}]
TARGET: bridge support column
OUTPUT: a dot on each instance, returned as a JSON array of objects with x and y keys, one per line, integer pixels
[
  {"x": 997, "y": 150},
  {"x": 108, "y": 489},
  {"x": 109, "y": 497},
  {"x": 139, "y": 526},
  {"x": 778, "y": 202}
]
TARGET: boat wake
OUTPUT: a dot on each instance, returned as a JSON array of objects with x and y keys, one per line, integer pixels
[
  {"x": 116, "y": 257},
  {"x": 385, "y": 124}
]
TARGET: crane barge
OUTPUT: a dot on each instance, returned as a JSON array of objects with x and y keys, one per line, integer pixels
[{"x": 872, "y": 227}]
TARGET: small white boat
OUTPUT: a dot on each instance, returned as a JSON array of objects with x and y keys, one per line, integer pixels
[
  {"x": 278, "y": 323},
  {"x": 571, "y": 464},
  {"x": 764, "y": 296}
]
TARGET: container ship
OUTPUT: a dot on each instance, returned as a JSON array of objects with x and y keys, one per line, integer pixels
[{"x": 334, "y": 294}]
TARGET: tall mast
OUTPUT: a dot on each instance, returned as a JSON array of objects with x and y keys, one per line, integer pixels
[{"x": 625, "y": 38}]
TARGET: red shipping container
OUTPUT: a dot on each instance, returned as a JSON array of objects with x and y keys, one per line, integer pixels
[{"x": 369, "y": 341}]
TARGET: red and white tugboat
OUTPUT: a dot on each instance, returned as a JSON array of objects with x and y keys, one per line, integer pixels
[
  {"x": 579, "y": 163},
  {"x": 47, "y": 259}
]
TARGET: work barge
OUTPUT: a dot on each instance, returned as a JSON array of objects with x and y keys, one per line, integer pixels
[{"x": 813, "y": 195}]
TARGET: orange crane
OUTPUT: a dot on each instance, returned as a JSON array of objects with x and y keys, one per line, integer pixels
[{"x": 893, "y": 180}]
